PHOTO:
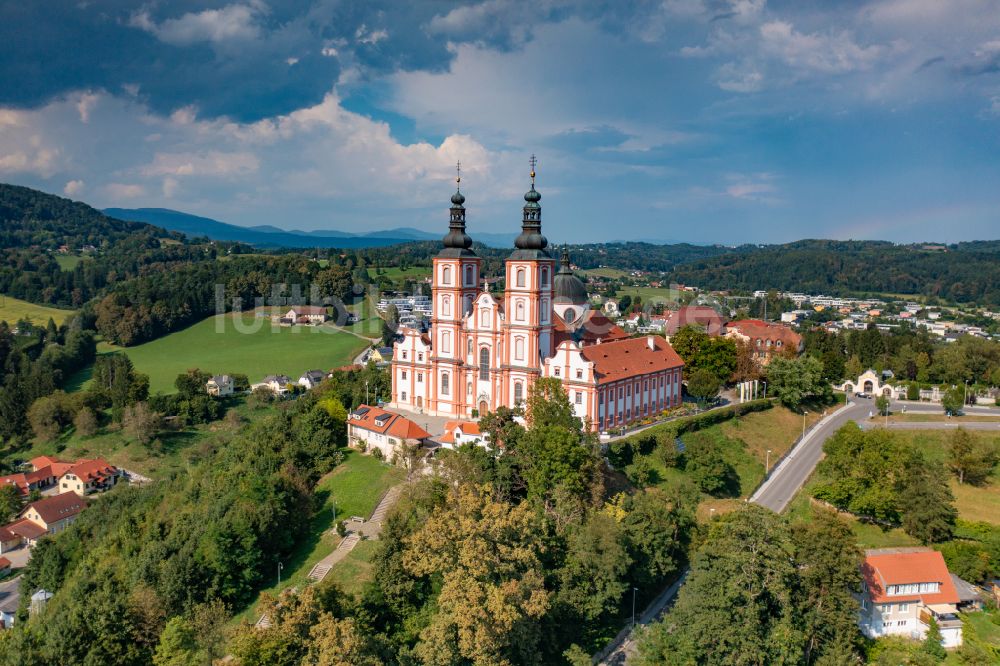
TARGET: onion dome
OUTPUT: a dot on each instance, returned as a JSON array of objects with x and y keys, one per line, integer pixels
[
  {"x": 457, "y": 243},
  {"x": 567, "y": 287},
  {"x": 531, "y": 243}
]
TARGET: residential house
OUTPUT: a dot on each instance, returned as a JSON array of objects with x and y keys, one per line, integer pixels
[
  {"x": 611, "y": 307},
  {"x": 305, "y": 314},
  {"x": 9, "y": 540},
  {"x": 89, "y": 476},
  {"x": 55, "y": 513},
  {"x": 21, "y": 532},
  {"x": 700, "y": 316},
  {"x": 220, "y": 386},
  {"x": 278, "y": 384},
  {"x": 457, "y": 433},
  {"x": 373, "y": 428},
  {"x": 311, "y": 378},
  {"x": 902, "y": 589},
  {"x": 10, "y": 601},
  {"x": 766, "y": 339},
  {"x": 381, "y": 355},
  {"x": 4, "y": 566}
]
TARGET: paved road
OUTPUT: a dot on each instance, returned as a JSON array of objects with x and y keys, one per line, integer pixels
[
  {"x": 784, "y": 481},
  {"x": 789, "y": 475}
]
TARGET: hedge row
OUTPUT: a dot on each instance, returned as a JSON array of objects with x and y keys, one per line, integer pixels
[{"x": 622, "y": 452}]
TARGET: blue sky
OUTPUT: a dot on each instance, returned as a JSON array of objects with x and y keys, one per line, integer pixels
[{"x": 710, "y": 121}]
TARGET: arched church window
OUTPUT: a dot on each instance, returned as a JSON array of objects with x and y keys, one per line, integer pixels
[
  {"x": 519, "y": 311},
  {"x": 518, "y": 393},
  {"x": 446, "y": 306},
  {"x": 484, "y": 363},
  {"x": 445, "y": 342},
  {"x": 468, "y": 276},
  {"x": 545, "y": 277},
  {"x": 520, "y": 277},
  {"x": 468, "y": 349},
  {"x": 446, "y": 275},
  {"x": 445, "y": 383},
  {"x": 519, "y": 349}
]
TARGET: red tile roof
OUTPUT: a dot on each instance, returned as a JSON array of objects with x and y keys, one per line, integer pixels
[
  {"x": 26, "y": 529},
  {"x": 97, "y": 469},
  {"x": 467, "y": 428},
  {"x": 633, "y": 357},
  {"x": 904, "y": 566},
  {"x": 695, "y": 315},
  {"x": 596, "y": 327},
  {"x": 755, "y": 329},
  {"x": 20, "y": 481},
  {"x": 308, "y": 310},
  {"x": 57, "y": 507},
  {"x": 4, "y": 563},
  {"x": 379, "y": 420}
]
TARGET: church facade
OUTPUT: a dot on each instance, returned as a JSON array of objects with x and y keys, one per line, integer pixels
[{"x": 484, "y": 351}]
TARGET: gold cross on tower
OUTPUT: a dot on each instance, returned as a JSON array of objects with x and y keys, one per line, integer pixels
[{"x": 533, "y": 161}]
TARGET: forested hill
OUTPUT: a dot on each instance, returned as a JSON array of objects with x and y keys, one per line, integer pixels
[
  {"x": 966, "y": 272},
  {"x": 30, "y": 218}
]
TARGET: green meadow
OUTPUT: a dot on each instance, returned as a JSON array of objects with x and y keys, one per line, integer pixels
[
  {"x": 236, "y": 344},
  {"x": 14, "y": 309}
]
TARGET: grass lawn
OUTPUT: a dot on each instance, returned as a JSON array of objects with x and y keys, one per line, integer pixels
[
  {"x": 14, "y": 309},
  {"x": 980, "y": 503},
  {"x": 355, "y": 486},
  {"x": 256, "y": 349},
  {"x": 352, "y": 572},
  {"x": 68, "y": 262},
  {"x": 605, "y": 272},
  {"x": 172, "y": 454},
  {"x": 398, "y": 274},
  {"x": 942, "y": 418},
  {"x": 868, "y": 535},
  {"x": 650, "y": 295},
  {"x": 744, "y": 442},
  {"x": 369, "y": 322}
]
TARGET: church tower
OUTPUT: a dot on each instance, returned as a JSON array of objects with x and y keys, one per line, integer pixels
[
  {"x": 454, "y": 285},
  {"x": 527, "y": 301}
]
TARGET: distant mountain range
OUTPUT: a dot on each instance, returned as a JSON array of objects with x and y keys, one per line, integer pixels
[{"x": 270, "y": 236}]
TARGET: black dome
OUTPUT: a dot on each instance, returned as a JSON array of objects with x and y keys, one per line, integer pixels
[{"x": 567, "y": 287}]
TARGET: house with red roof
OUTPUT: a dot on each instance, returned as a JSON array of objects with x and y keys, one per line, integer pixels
[
  {"x": 703, "y": 317},
  {"x": 373, "y": 428},
  {"x": 903, "y": 589},
  {"x": 765, "y": 339},
  {"x": 89, "y": 476},
  {"x": 457, "y": 433}
]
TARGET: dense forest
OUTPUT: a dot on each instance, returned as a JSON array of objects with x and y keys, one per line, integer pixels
[{"x": 968, "y": 272}]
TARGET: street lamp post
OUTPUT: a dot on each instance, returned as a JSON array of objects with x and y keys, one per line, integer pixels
[
  {"x": 634, "y": 590},
  {"x": 366, "y": 393},
  {"x": 280, "y": 566},
  {"x": 804, "y": 412},
  {"x": 767, "y": 465},
  {"x": 965, "y": 397}
]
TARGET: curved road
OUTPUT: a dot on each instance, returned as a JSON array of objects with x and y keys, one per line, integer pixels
[
  {"x": 781, "y": 485},
  {"x": 789, "y": 475}
]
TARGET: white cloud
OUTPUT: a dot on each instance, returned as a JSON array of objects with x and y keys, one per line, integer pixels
[
  {"x": 744, "y": 77},
  {"x": 170, "y": 185},
  {"x": 231, "y": 23},
  {"x": 831, "y": 53},
  {"x": 210, "y": 163},
  {"x": 758, "y": 187},
  {"x": 366, "y": 36},
  {"x": 73, "y": 188},
  {"x": 124, "y": 190},
  {"x": 85, "y": 105}
]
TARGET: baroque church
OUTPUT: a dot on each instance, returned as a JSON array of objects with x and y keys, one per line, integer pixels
[{"x": 484, "y": 351}]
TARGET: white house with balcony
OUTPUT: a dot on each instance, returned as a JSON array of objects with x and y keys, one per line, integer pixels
[{"x": 903, "y": 589}]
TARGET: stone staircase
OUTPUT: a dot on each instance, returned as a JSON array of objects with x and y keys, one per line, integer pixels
[
  {"x": 322, "y": 568},
  {"x": 390, "y": 497}
]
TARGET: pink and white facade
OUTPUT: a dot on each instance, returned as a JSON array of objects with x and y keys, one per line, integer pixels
[{"x": 483, "y": 352}]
